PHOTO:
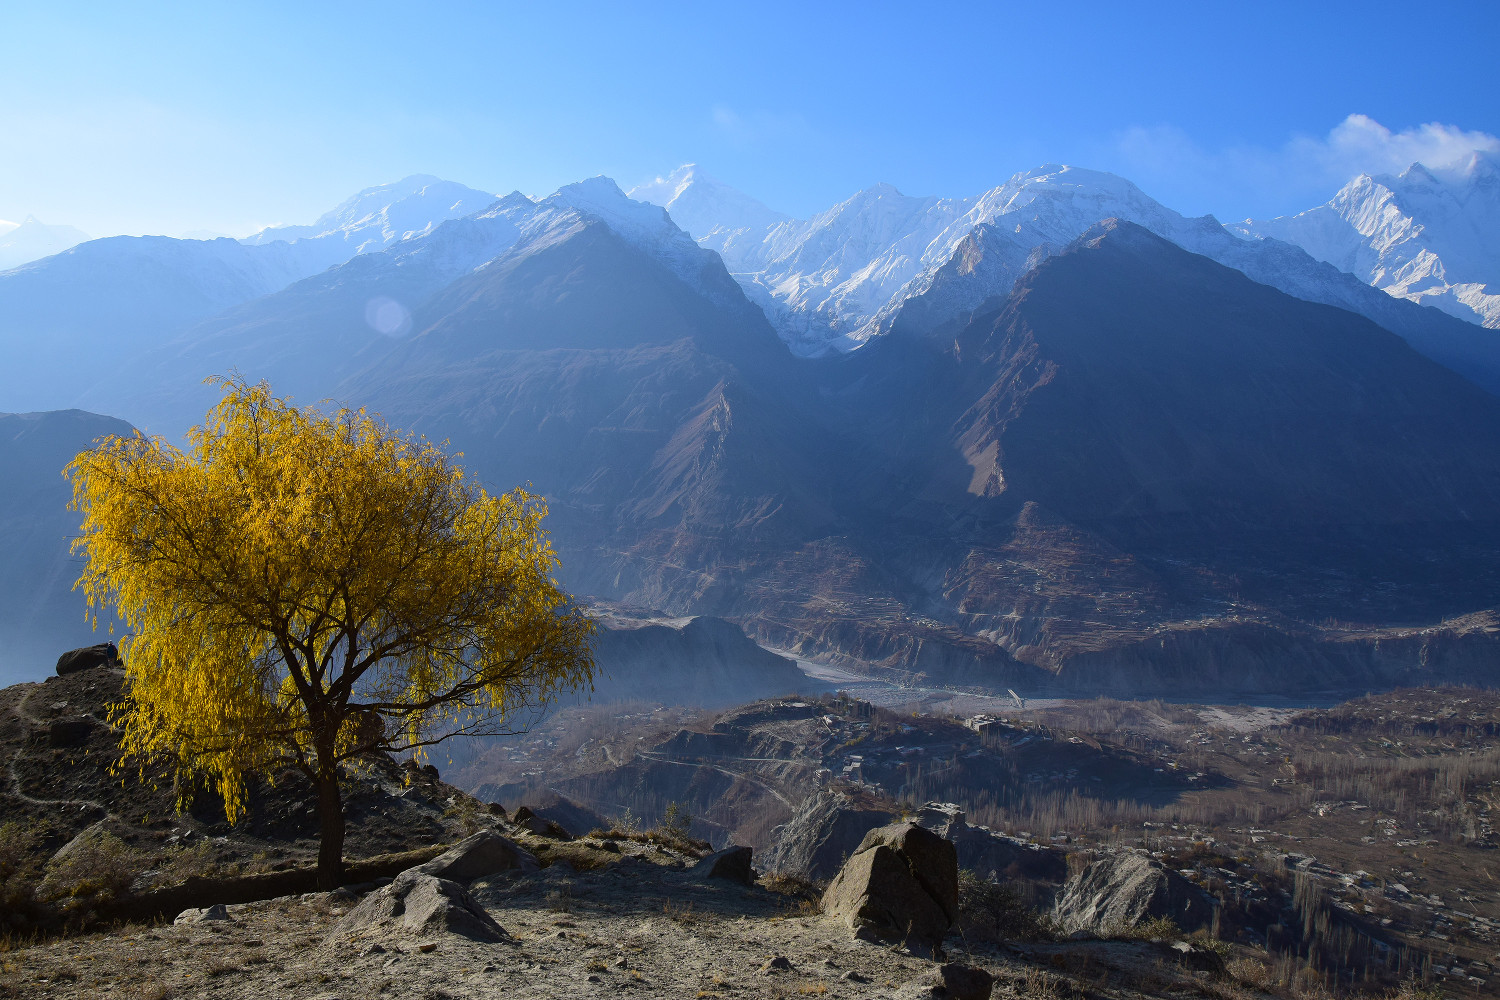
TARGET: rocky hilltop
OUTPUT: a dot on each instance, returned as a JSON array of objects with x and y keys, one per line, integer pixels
[{"x": 855, "y": 894}]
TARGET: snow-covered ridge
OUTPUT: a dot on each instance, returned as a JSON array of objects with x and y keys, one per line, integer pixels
[
  {"x": 703, "y": 206},
  {"x": 1431, "y": 236},
  {"x": 831, "y": 282},
  {"x": 379, "y": 216},
  {"x": 827, "y": 281}
]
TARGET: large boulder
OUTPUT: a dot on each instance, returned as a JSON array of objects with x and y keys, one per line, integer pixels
[
  {"x": 732, "y": 863},
  {"x": 1122, "y": 891},
  {"x": 822, "y": 834},
  {"x": 900, "y": 885},
  {"x": 417, "y": 904},
  {"x": 573, "y": 818},
  {"x": 87, "y": 658},
  {"x": 485, "y": 853},
  {"x": 533, "y": 821}
]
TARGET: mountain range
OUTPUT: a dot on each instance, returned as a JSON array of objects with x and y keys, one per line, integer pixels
[
  {"x": 1430, "y": 236},
  {"x": 33, "y": 239},
  {"x": 1002, "y": 441},
  {"x": 72, "y": 320},
  {"x": 832, "y": 282}
]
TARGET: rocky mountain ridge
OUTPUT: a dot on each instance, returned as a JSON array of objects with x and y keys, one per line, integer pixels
[
  {"x": 836, "y": 280},
  {"x": 1423, "y": 235}
]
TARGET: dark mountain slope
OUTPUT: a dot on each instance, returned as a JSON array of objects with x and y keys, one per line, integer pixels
[
  {"x": 1134, "y": 381},
  {"x": 1138, "y": 470},
  {"x": 653, "y": 415},
  {"x": 40, "y": 614}
]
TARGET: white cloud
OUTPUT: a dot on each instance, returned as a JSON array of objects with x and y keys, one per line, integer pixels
[
  {"x": 1361, "y": 145},
  {"x": 1236, "y": 182}
]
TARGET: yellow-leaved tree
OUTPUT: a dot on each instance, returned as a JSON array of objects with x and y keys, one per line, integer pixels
[{"x": 301, "y": 588}]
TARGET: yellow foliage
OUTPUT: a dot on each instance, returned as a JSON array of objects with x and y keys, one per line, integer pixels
[{"x": 292, "y": 577}]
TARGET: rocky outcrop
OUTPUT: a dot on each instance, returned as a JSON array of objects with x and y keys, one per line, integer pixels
[
  {"x": 1122, "y": 891},
  {"x": 570, "y": 819},
  {"x": 103, "y": 655},
  {"x": 990, "y": 855},
  {"x": 485, "y": 853},
  {"x": 205, "y": 914},
  {"x": 900, "y": 885},
  {"x": 823, "y": 833},
  {"x": 732, "y": 863},
  {"x": 417, "y": 904}
]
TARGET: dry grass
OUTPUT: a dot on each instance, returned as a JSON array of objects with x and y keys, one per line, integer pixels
[{"x": 992, "y": 914}]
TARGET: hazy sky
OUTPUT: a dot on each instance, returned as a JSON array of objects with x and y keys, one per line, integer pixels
[{"x": 214, "y": 116}]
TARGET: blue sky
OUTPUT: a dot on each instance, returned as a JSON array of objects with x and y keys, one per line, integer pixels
[{"x": 215, "y": 116}]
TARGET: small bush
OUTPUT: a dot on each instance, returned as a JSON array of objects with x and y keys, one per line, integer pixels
[
  {"x": 807, "y": 892},
  {"x": 1150, "y": 930},
  {"x": 988, "y": 911},
  {"x": 183, "y": 863},
  {"x": 1252, "y": 973},
  {"x": 20, "y": 871},
  {"x": 676, "y": 821},
  {"x": 95, "y": 873}
]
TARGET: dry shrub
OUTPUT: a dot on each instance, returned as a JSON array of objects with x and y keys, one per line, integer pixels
[
  {"x": 808, "y": 893},
  {"x": 1252, "y": 973},
  {"x": 582, "y": 857},
  {"x": 1413, "y": 990},
  {"x": 1149, "y": 930},
  {"x": 94, "y": 873},
  {"x": 988, "y": 911},
  {"x": 19, "y": 872},
  {"x": 183, "y": 863},
  {"x": 659, "y": 837}
]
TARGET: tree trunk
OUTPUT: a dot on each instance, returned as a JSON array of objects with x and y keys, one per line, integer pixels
[{"x": 331, "y": 822}]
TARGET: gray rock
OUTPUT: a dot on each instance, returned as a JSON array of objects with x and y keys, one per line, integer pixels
[
  {"x": 900, "y": 885},
  {"x": 1122, "y": 891},
  {"x": 932, "y": 859},
  {"x": 1192, "y": 957},
  {"x": 732, "y": 863},
  {"x": 485, "y": 853},
  {"x": 533, "y": 822},
  {"x": 418, "y": 904},
  {"x": 202, "y": 915},
  {"x": 103, "y": 655},
  {"x": 822, "y": 834},
  {"x": 778, "y": 964},
  {"x": 964, "y": 982}
]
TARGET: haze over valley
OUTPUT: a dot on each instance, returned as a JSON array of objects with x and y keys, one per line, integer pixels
[
  {"x": 1055, "y": 437},
  {"x": 944, "y": 502}
]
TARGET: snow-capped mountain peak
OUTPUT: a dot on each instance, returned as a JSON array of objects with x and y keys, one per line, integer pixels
[
  {"x": 701, "y": 204},
  {"x": 1428, "y": 235},
  {"x": 32, "y": 239},
  {"x": 379, "y": 216},
  {"x": 826, "y": 281}
]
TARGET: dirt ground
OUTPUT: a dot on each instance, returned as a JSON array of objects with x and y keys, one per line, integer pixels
[{"x": 645, "y": 925}]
